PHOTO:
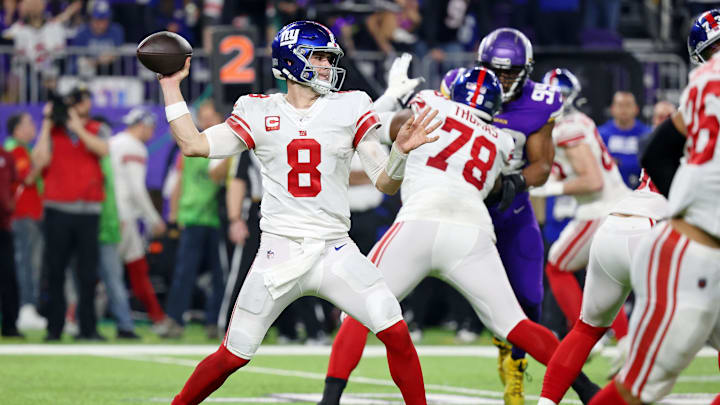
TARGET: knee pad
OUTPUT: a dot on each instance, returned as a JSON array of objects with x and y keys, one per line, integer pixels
[{"x": 383, "y": 308}]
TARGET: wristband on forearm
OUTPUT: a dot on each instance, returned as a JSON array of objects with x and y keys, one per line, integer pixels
[
  {"x": 175, "y": 111},
  {"x": 396, "y": 163}
]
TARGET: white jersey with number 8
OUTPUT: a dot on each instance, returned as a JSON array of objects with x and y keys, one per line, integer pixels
[
  {"x": 305, "y": 158},
  {"x": 448, "y": 180}
]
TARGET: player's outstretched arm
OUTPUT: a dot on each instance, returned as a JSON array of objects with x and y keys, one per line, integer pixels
[
  {"x": 182, "y": 127},
  {"x": 540, "y": 155}
]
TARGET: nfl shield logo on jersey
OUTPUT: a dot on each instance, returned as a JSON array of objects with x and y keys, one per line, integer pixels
[{"x": 272, "y": 123}]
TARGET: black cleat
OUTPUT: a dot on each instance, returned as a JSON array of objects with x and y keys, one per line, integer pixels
[
  {"x": 93, "y": 337},
  {"x": 127, "y": 334},
  {"x": 585, "y": 388},
  {"x": 333, "y": 391}
]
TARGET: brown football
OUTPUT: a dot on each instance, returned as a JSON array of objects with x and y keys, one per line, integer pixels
[{"x": 164, "y": 52}]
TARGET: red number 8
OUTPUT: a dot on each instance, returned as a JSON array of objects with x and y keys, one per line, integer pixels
[
  {"x": 476, "y": 163},
  {"x": 298, "y": 168}
]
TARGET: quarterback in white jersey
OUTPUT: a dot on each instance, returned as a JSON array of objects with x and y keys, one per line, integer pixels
[
  {"x": 304, "y": 141},
  {"x": 444, "y": 228},
  {"x": 675, "y": 273}
]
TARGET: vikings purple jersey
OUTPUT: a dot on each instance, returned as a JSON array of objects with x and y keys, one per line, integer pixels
[
  {"x": 519, "y": 241},
  {"x": 537, "y": 104}
]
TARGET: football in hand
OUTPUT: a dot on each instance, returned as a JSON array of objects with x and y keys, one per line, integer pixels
[{"x": 164, "y": 52}]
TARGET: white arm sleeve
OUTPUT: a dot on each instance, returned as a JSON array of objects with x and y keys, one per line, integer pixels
[
  {"x": 137, "y": 172},
  {"x": 373, "y": 155},
  {"x": 223, "y": 142},
  {"x": 384, "y": 132}
]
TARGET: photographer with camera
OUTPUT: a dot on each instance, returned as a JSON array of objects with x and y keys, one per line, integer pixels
[{"x": 69, "y": 149}]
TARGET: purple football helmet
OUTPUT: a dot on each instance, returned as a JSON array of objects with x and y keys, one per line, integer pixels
[
  {"x": 293, "y": 48},
  {"x": 480, "y": 89},
  {"x": 508, "y": 53},
  {"x": 704, "y": 34},
  {"x": 567, "y": 82},
  {"x": 449, "y": 79}
]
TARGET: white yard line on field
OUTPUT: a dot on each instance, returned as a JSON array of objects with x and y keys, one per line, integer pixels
[
  {"x": 321, "y": 377},
  {"x": 267, "y": 350}
]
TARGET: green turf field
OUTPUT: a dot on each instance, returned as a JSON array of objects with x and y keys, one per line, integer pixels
[{"x": 153, "y": 371}]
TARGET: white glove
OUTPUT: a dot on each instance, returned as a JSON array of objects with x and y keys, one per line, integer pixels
[
  {"x": 551, "y": 188},
  {"x": 399, "y": 85}
]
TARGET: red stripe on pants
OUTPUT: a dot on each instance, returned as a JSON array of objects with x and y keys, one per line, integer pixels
[{"x": 659, "y": 287}]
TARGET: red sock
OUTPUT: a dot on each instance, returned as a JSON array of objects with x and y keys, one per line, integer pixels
[
  {"x": 535, "y": 339},
  {"x": 716, "y": 401},
  {"x": 620, "y": 325},
  {"x": 143, "y": 289},
  {"x": 566, "y": 364},
  {"x": 567, "y": 292},
  {"x": 404, "y": 363},
  {"x": 208, "y": 376},
  {"x": 608, "y": 396},
  {"x": 347, "y": 349}
]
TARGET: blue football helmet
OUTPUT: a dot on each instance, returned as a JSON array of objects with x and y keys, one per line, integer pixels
[
  {"x": 447, "y": 82},
  {"x": 293, "y": 48},
  {"x": 567, "y": 82},
  {"x": 704, "y": 34},
  {"x": 509, "y": 54},
  {"x": 480, "y": 89}
]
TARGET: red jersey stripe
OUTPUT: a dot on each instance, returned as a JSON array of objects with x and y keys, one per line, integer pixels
[
  {"x": 678, "y": 263},
  {"x": 570, "y": 140},
  {"x": 369, "y": 122},
  {"x": 659, "y": 288},
  {"x": 236, "y": 124}
]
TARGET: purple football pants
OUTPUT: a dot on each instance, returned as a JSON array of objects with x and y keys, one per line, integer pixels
[{"x": 520, "y": 245}]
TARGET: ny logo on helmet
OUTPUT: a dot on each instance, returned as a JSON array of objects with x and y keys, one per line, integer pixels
[{"x": 289, "y": 37}]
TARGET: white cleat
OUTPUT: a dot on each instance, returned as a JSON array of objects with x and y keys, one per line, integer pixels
[{"x": 29, "y": 319}]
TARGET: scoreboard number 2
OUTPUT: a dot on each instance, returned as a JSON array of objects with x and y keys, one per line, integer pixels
[{"x": 238, "y": 69}]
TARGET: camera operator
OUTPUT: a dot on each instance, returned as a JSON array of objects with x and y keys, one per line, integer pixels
[{"x": 69, "y": 149}]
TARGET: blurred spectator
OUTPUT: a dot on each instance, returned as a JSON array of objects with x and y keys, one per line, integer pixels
[
  {"x": 171, "y": 15},
  {"x": 696, "y": 7},
  {"x": 200, "y": 236},
  {"x": 9, "y": 14},
  {"x": 71, "y": 145},
  {"x": 129, "y": 158},
  {"x": 622, "y": 134},
  {"x": 662, "y": 111},
  {"x": 602, "y": 14},
  {"x": 26, "y": 218},
  {"x": 440, "y": 32},
  {"x": 136, "y": 18},
  {"x": 391, "y": 29},
  {"x": 101, "y": 37},
  {"x": 38, "y": 40},
  {"x": 558, "y": 22},
  {"x": 110, "y": 267},
  {"x": 8, "y": 283},
  {"x": 283, "y": 13}
]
